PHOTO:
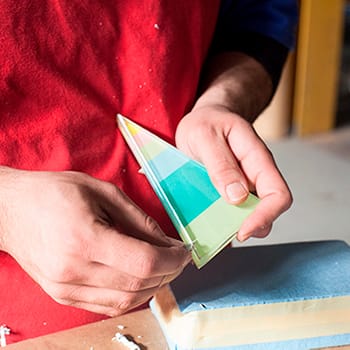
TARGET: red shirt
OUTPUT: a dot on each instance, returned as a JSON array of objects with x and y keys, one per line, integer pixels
[{"x": 67, "y": 68}]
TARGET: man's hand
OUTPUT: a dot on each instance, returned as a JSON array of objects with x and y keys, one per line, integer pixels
[
  {"x": 237, "y": 162},
  {"x": 218, "y": 132},
  {"x": 84, "y": 241}
]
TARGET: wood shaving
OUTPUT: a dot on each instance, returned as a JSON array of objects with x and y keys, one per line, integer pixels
[
  {"x": 120, "y": 338},
  {"x": 4, "y": 331}
]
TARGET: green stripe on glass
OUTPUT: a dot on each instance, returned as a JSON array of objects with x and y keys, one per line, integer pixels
[{"x": 189, "y": 190}]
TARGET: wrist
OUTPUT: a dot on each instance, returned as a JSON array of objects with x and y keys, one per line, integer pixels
[{"x": 236, "y": 82}]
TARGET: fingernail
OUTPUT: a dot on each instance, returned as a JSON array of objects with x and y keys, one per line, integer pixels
[{"x": 236, "y": 191}]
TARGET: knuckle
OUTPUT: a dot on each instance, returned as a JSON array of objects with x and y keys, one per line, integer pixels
[
  {"x": 125, "y": 303},
  {"x": 224, "y": 172},
  {"x": 287, "y": 199},
  {"x": 64, "y": 302},
  {"x": 151, "y": 225},
  {"x": 114, "y": 192},
  {"x": 135, "y": 284},
  {"x": 114, "y": 312},
  {"x": 112, "y": 189},
  {"x": 145, "y": 264},
  {"x": 203, "y": 131},
  {"x": 59, "y": 293},
  {"x": 62, "y": 270}
]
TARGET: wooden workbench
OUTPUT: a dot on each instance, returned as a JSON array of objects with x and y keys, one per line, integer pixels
[{"x": 139, "y": 326}]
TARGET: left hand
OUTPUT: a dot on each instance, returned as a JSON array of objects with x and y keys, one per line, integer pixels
[{"x": 237, "y": 161}]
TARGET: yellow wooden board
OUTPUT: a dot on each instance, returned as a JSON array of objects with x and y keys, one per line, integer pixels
[{"x": 318, "y": 53}]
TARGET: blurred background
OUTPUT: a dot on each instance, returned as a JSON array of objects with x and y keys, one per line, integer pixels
[{"x": 307, "y": 126}]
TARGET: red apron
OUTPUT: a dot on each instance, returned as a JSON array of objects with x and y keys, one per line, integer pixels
[{"x": 67, "y": 68}]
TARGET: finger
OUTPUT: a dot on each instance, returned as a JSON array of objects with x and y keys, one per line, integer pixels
[
  {"x": 270, "y": 187},
  {"x": 103, "y": 276},
  {"x": 259, "y": 166},
  {"x": 128, "y": 218},
  {"x": 136, "y": 257},
  {"x": 100, "y": 300},
  {"x": 275, "y": 199},
  {"x": 128, "y": 283},
  {"x": 260, "y": 221},
  {"x": 262, "y": 232},
  {"x": 224, "y": 172},
  {"x": 222, "y": 166},
  {"x": 258, "y": 163},
  {"x": 97, "y": 309}
]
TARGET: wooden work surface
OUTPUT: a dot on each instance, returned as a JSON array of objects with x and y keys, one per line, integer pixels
[{"x": 139, "y": 326}]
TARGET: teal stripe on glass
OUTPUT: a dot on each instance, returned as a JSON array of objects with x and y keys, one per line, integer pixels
[
  {"x": 167, "y": 162},
  {"x": 190, "y": 191}
]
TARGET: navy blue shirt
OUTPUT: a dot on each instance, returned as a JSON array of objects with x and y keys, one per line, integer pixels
[{"x": 263, "y": 29}]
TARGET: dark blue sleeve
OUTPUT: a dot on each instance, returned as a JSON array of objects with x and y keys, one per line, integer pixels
[
  {"x": 276, "y": 19},
  {"x": 263, "y": 29}
]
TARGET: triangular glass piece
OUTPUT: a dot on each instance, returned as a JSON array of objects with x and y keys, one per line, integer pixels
[{"x": 204, "y": 221}]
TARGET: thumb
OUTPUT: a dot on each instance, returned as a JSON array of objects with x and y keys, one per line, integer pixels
[{"x": 224, "y": 170}]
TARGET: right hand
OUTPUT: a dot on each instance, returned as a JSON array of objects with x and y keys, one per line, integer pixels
[{"x": 84, "y": 241}]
